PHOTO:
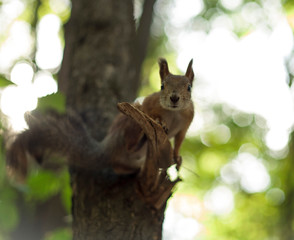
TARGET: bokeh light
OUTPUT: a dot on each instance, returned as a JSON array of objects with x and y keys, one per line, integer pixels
[
  {"x": 181, "y": 218},
  {"x": 60, "y": 6},
  {"x": 22, "y": 74},
  {"x": 44, "y": 84},
  {"x": 247, "y": 73},
  {"x": 220, "y": 200},
  {"x": 31, "y": 83},
  {"x": 15, "y": 101},
  {"x": 18, "y": 44},
  {"x": 183, "y": 10},
  {"x": 277, "y": 139},
  {"x": 248, "y": 171},
  {"x": 49, "y": 53},
  {"x": 275, "y": 196},
  {"x": 231, "y": 4}
]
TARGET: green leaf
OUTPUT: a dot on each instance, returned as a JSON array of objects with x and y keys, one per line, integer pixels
[
  {"x": 66, "y": 193},
  {"x": 4, "y": 82},
  {"x": 60, "y": 234},
  {"x": 289, "y": 6},
  {"x": 54, "y": 101},
  {"x": 43, "y": 185},
  {"x": 8, "y": 210},
  {"x": 8, "y": 216}
]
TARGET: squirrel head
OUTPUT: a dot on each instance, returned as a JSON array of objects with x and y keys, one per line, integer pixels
[{"x": 176, "y": 90}]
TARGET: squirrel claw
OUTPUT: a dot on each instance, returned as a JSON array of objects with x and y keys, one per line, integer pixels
[{"x": 178, "y": 160}]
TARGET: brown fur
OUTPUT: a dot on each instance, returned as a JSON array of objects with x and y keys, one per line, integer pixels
[{"x": 172, "y": 107}]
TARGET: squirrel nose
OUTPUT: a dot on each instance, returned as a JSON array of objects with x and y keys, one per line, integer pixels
[{"x": 174, "y": 98}]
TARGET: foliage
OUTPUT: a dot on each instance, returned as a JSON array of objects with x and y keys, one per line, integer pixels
[
  {"x": 53, "y": 101},
  {"x": 8, "y": 196},
  {"x": 4, "y": 82},
  {"x": 265, "y": 214},
  {"x": 254, "y": 216},
  {"x": 62, "y": 234}
]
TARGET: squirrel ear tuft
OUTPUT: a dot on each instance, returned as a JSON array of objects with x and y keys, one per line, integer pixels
[
  {"x": 163, "y": 68},
  {"x": 189, "y": 73}
]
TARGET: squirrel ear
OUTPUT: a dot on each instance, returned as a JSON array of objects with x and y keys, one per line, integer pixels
[
  {"x": 189, "y": 73},
  {"x": 163, "y": 68}
]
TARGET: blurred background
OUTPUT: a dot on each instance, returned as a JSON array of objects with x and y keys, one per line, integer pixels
[{"x": 238, "y": 181}]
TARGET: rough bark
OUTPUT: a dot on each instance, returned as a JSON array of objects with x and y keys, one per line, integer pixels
[{"x": 98, "y": 71}]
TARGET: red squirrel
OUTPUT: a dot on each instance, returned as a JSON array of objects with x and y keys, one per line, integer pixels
[
  {"x": 124, "y": 147},
  {"x": 172, "y": 107}
]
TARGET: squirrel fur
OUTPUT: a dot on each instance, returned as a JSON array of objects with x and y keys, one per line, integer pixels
[{"x": 124, "y": 147}]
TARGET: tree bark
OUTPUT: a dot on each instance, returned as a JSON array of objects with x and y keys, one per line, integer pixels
[{"x": 98, "y": 71}]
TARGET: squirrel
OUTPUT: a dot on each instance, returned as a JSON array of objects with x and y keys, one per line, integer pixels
[
  {"x": 172, "y": 107},
  {"x": 124, "y": 146}
]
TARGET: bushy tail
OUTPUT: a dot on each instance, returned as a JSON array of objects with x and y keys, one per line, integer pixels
[{"x": 65, "y": 134}]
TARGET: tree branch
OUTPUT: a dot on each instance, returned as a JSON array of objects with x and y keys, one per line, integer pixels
[
  {"x": 143, "y": 34},
  {"x": 154, "y": 185}
]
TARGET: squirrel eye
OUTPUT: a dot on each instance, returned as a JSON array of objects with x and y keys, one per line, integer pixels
[
  {"x": 162, "y": 87},
  {"x": 189, "y": 88}
]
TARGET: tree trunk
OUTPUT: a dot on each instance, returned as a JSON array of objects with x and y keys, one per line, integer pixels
[{"x": 98, "y": 71}]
